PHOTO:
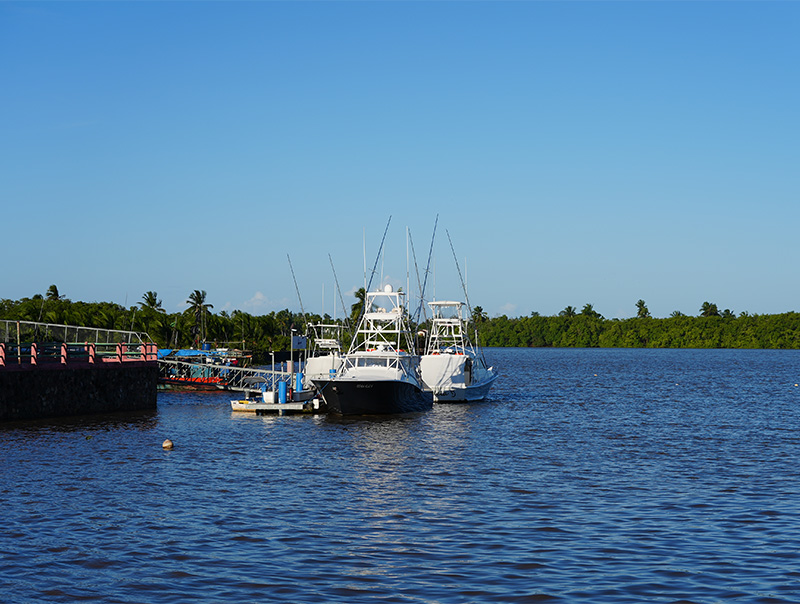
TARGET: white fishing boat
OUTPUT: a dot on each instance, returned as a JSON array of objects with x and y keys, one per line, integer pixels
[
  {"x": 326, "y": 354},
  {"x": 453, "y": 368},
  {"x": 380, "y": 373}
]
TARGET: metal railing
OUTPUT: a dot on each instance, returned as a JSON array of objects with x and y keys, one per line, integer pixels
[
  {"x": 244, "y": 379},
  {"x": 31, "y": 331},
  {"x": 33, "y": 344}
]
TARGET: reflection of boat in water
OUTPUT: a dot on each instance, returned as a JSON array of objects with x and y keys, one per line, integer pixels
[
  {"x": 453, "y": 368},
  {"x": 193, "y": 369},
  {"x": 380, "y": 372}
]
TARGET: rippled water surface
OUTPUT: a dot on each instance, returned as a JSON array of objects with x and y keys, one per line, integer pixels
[{"x": 588, "y": 476}]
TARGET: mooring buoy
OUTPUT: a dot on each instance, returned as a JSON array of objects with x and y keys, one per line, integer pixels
[{"x": 167, "y": 444}]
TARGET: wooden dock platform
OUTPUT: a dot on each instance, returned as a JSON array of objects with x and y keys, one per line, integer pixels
[{"x": 311, "y": 406}]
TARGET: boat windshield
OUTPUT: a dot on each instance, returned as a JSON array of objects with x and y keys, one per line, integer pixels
[
  {"x": 367, "y": 362},
  {"x": 402, "y": 364}
]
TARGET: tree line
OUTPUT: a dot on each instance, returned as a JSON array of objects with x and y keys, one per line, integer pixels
[
  {"x": 197, "y": 324},
  {"x": 192, "y": 327},
  {"x": 711, "y": 328}
]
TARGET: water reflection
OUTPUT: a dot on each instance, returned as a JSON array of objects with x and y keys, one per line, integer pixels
[{"x": 124, "y": 420}]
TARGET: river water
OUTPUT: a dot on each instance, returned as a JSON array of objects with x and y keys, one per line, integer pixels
[{"x": 587, "y": 476}]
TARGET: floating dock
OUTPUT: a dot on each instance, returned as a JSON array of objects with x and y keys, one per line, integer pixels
[{"x": 311, "y": 406}]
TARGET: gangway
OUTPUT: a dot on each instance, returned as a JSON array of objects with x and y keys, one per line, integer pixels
[{"x": 223, "y": 377}]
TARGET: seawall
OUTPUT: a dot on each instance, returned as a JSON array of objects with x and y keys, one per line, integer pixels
[{"x": 30, "y": 392}]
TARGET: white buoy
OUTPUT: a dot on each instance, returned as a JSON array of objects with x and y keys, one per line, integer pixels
[{"x": 167, "y": 444}]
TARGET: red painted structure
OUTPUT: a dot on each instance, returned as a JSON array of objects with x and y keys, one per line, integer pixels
[{"x": 47, "y": 354}]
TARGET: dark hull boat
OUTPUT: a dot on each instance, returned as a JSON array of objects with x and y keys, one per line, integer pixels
[
  {"x": 376, "y": 397},
  {"x": 380, "y": 373}
]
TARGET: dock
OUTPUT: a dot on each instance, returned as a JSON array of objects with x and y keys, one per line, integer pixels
[
  {"x": 312, "y": 406},
  {"x": 50, "y": 370}
]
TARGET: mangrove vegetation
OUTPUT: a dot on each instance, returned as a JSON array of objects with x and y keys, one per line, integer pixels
[{"x": 198, "y": 324}]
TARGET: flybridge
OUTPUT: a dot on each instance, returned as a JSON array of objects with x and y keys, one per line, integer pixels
[{"x": 383, "y": 326}]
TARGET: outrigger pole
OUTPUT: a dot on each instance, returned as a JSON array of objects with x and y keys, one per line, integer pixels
[
  {"x": 339, "y": 291},
  {"x": 427, "y": 271},
  {"x": 377, "y": 258},
  {"x": 419, "y": 281},
  {"x": 464, "y": 287},
  {"x": 297, "y": 289}
]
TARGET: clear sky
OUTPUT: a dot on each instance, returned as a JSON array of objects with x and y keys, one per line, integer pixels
[{"x": 576, "y": 152}]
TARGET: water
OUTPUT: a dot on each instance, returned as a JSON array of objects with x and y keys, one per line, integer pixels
[{"x": 589, "y": 476}]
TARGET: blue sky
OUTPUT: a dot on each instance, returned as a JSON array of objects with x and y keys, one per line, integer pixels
[{"x": 576, "y": 152}]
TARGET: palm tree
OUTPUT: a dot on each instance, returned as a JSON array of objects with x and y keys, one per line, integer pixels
[
  {"x": 479, "y": 315},
  {"x": 358, "y": 306},
  {"x": 589, "y": 311},
  {"x": 641, "y": 310},
  {"x": 569, "y": 311},
  {"x": 197, "y": 304},
  {"x": 709, "y": 309},
  {"x": 150, "y": 300},
  {"x": 52, "y": 293},
  {"x": 153, "y": 314}
]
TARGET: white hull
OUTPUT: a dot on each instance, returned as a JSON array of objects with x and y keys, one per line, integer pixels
[{"x": 468, "y": 394}]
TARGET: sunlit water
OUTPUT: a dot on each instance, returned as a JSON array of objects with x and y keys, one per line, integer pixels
[{"x": 588, "y": 476}]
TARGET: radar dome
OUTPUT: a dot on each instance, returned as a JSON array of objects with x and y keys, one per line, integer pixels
[{"x": 387, "y": 288}]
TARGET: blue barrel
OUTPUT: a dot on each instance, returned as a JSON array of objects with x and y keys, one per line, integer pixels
[
  {"x": 298, "y": 382},
  {"x": 281, "y": 392}
]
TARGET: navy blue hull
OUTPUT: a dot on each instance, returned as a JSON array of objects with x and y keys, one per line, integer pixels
[{"x": 351, "y": 397}]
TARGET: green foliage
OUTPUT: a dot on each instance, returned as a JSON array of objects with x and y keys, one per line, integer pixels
[
  {"x": 677, "y": 331},
  {"x": 194, "y": 326},
  {"x": 264, "y": 333}
]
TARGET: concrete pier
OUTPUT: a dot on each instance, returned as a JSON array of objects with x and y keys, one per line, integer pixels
[
  {"x": 63, "y": 390},
  {"x": 41, "y": 379}
]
